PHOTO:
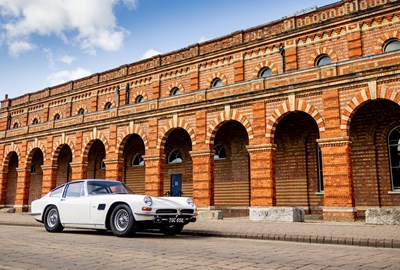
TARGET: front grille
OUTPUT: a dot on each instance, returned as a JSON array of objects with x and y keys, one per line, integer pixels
[
  {"x": 166, "y": 211},
  {"x": 187, "y": 211}
]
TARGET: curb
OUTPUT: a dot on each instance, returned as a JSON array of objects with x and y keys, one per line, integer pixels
[{"x": 330, "y": 240}]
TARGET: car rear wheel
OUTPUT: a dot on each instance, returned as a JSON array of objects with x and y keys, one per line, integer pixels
[
  {"x": 122, "y": 222},
  {"x": 171, "y": 229},
  {"x": 52, "y": 221}
]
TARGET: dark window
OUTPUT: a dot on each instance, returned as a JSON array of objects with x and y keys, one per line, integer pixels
[
  {"x": 392, "y": 45},
  {"x": 319, "y": 168},
  {"x": 108, "y": 106},
  {"x": 175, "y": 156},
  {"x": 57, "y": 117},
  {"x": 35, "y": 121},
  {"x": 323, "y": 60},
  {"x": 81, "y": 111},
  {"x": 265, "y": 72},
  {"x": 394, "y": 154},
  {"x": 175, "y": 91},
  {"x": 217, "y": 82},
  {"x": 33, "y": 169},
  {"x": 138, "y": 160},
  {"x": 102, "y": 165},
  {"x": 219, "y": 152},
  {"x": 15, "y": 125},
  {"x": 139, "y": 99}
]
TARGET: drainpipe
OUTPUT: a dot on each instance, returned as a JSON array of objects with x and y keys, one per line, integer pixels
[{"x": 282, "y": 53}]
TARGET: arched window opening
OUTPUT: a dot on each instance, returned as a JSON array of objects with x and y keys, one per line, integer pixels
[
  {"x": 108, "y": 106},
  {"x": 139, "y": 99},
  {"x": 175, "y": 157},
  {"x": 57, "y": 117},
  {"x": 265, "y": 73},
  {"x": 102, "y": 165},
  {"x": 219, "y": 152},
  {"x": 217, "y": 82},
  {"x": 35, "y": 121},
  {"x": 81, "y": 111},
  {"x": 323, "y": 60},
  {"x": 319, "y": 168},
  {"x": 138, "y": 160},
  {"x": 391, "y": 45},
  {"x": 15, "y": 125},
  {"x": 394, "y": 155},
  {"x": 175, "y": 91}
]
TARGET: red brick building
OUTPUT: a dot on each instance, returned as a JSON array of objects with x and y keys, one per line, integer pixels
[{"x": 303, "y": 111}]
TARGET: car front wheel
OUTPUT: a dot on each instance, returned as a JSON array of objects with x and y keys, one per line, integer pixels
[
  {"x": 171, "y": 229},
  {"x": 52, "y": 221},
  {"x": 122, "y": 222}
]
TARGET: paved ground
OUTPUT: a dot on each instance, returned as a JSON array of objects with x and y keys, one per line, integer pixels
[
  {"x": 356, "y": 233},
  {"x": 33, "y": 248}
]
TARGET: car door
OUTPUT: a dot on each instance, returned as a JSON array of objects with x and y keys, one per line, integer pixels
[{"x": 74, "y": 207}]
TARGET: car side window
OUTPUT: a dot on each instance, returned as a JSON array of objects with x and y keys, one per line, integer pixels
[
  {"x": 75, "y": 190},
  {"x": 57, "y": 192}
]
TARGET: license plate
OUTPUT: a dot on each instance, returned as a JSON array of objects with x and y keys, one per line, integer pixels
[{"x": 176, "y": 220}]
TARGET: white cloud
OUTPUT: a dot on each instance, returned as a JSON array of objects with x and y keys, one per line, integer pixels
[
  {"x": 67, "y": 75},
  {"x": 91, "y": 23},
  {"x": 67, "y": 59},
  {"x": 150, "y": 53},
  {"x": 17, "y": 47}
]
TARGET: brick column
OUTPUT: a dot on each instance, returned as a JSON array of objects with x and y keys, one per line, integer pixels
[
  {"x": 21, "y": 199},
  {"x": 194, "y": 78},
  {"x": 154, "y": 174},
  {"x": 3, "y": 183},
  {"x": 49, "y": 178},
  {"x": 238, "y": 68},
  {"x": 114, "y": 168},
  {"x": 338, "y": 179},
  {"x": 262, "y": 174},
  {"x": 79, "y": 171},
  {"x": 203, "y": 177}
]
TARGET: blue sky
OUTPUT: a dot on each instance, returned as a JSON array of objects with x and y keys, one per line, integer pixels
[{"x": 48, "y": 42}]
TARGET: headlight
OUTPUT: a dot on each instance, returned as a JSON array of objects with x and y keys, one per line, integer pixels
[
  {"x": 147, "y": 200},
  {"x": 190, "y": 201}
]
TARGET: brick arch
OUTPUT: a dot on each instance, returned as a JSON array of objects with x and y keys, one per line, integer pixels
[
  {"x": 384, "y": 38},
  {"x": 285, "y": 108},
  {"x": 217, "y": 75},
  {"x": 57, "y": 148},
  {"x": 173, "y": 85},
  {"x": 264, "y": 64},
  {"x": 16, "y": 121},
  {"x": 7, "y": 154},
  {"x": 57, "y": 112},
  {"x": 124, "y": 135},
  {"x": 94, "y": 135},
  {"x": 37, "y": 117},
  {"x": 139, "y": 93},
  {"x": 103, "y": 104},
  {"x": 35, "y": 145},
  {"x": 81, "y": 107},
  {"x": 323, "y": 50},
  {"x": 365, "y": 95},
  {"x": 172, "y": 124},
  {"x": 222, "y": 118}
]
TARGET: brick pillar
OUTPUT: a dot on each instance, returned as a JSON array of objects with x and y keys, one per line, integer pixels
[
  {"x": 354, "y": 42},
  {"x": 262, "y": 175},
  {"x": 49, "y": 178},
  {"x": 156, "y": 87},
  {"x": 3, "y": 185},
  {"x": 94, "y": 102},
  {"x": 21, "y": 199},
  {"x": 238, "y": 68},
  {"x": 154, "y": 163},
  {"x": 336, "y": 163},
  {"x": 203, "y": 177},
  {"x": 290, "y": 56},
  {"x": 194, "y": 78},
  {"x": 114, "y": 168},
  {"x": 79, "y": 171},
  {"x": 338, "y": 179}
]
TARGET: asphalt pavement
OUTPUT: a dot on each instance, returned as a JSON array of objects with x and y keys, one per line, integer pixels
[{"x": 311, "y": 231}]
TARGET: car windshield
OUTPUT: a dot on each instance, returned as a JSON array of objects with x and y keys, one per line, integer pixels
[{"x": 102, "y": 187}]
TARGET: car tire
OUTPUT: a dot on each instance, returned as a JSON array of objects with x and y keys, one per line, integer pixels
[
  {"x": 52, "y": 221},
  {"x": 122, "y": 222},
  {"x": 171, "y": 229}
]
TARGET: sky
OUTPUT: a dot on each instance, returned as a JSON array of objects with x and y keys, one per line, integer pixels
[{"x": 44, "y": 43}]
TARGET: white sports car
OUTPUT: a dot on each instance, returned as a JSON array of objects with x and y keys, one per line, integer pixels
[{"x": 105, "y": 204}]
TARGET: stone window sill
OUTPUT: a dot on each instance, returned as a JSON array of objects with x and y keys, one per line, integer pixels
[
  {"x": 320, "y": 193},
  {"x": 394, "y": 192}
]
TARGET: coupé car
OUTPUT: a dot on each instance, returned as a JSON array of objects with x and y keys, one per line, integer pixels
[{"x": 110, "y": 205}]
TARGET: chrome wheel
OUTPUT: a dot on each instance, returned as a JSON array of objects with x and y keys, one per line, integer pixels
[
  {"x": 121, "y": 220},
  {"x": 52, "y": 218},
  {"x": 52, "y": 221}
]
